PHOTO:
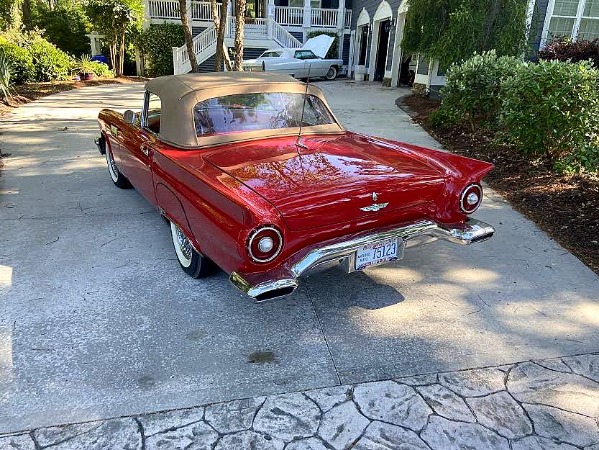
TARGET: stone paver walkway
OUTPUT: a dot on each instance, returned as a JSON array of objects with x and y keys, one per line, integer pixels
[{"x": 551, "y": 404}]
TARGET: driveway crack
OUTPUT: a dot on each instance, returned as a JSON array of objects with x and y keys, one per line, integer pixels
[{"x": 324, "y": 336}]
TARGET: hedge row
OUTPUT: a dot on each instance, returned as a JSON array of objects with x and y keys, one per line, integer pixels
[
  {"x": 33, "y": 58},
  {"x": 548, "y": 109},
  {"x": 156, "y": 43}
]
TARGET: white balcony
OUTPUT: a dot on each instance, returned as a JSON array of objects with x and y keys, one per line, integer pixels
[{"x": 290, "y": 17}]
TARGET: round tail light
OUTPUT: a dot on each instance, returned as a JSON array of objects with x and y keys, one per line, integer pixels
[
  {"x": 265, "y": 244},
  {"x": 471, "y": 198}
]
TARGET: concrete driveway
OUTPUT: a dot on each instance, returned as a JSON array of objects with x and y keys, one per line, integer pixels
[{"x": 98, "y": 321}]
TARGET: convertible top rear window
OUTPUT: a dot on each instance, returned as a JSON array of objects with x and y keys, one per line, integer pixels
[{"x": 265, "y": 111}]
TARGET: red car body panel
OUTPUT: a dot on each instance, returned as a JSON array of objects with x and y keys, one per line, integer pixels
[{"x": 313, "y": 194}]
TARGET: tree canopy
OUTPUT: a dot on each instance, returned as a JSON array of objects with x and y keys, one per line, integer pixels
[
  {"x": 114, "y": 19},
  {"x": 452, "y": 30}
]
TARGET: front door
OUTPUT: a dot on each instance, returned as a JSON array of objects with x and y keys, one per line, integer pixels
[{"x": 381, "y": 54}]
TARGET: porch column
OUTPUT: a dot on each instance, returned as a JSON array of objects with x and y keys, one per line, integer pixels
[
  {"x": 189, "y": 14},
  {"x": 270, "y": 17},
  {"x": 147, "y": 17},
  {"x": 341, "y": 16},
  {"x": 229, "y": 18},
  {"x": 307, "y": 16},
  {"x": 341, "y": 27}
]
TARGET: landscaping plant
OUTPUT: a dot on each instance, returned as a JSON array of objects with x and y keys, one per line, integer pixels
[
  {"x": 156, "y": 43},
  {"x": 565, "y": 49},
  {"x": 551, "y": 109},
  {"x": 116, "y": 19},
  {"x": 19, "y": 59},
  {"x": 5, "y": 71},
  {"x": 49, "y": 62},
  {"x": 452, "y": 30},
  {"x": 472, "y": 90}
]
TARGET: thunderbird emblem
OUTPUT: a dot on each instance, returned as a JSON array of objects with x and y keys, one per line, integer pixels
[{"x": 375, "y": 206}]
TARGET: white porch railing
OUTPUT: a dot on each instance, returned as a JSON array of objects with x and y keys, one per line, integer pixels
[
  {"x": 283, "y": 37},
  {"x": 284, "y": 15},
  {"x": 164, "y": 9},
  {"x": 347, "y": 18},
  {"x": 204, "y": 45},
  {"x": 289, "y": 15},
  {"x": 203, "y": 10},
  {"x": 326, "y": 18},
  {"x": 256, "y": 29}
]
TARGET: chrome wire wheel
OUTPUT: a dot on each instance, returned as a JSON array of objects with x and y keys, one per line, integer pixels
[
  {"x": 191, "y": 261},
  {"x": 112, "y": 168},
  {"x": 182, "y": 245},
  {"x": 115, "y": 174}
]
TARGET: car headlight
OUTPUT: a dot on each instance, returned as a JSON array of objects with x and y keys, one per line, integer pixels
[
  {"x": 264, "y": 244},
  {"x": 471, "y": 198}
]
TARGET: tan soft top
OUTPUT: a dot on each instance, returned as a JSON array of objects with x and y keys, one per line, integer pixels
[{"x": 180, "y": 93}]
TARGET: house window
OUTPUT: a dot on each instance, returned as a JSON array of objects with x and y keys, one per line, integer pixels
[
  {"x": 300, "y": 3},
  {"x": 578, "y": 19}
]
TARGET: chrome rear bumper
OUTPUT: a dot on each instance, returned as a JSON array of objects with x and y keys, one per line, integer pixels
[{"x": 343, "y": 253}]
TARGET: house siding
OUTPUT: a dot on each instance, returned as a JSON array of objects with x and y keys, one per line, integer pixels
[{"x": 345, "y": 52}]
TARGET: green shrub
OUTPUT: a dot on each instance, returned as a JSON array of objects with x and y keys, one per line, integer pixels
[
  {"x": 156, "y": 43},
  {"x": 101, "y": 69},
  {"x": 19, "y": 61},
  {"x": 585, "y": 159},
  {"x": 551, "y": 109},
  {"x": 472, "y": 90},
  {"x": 49, "y": 62},
  {"x": 5, "y": 74},
  {"x": 65, "y": 26}
]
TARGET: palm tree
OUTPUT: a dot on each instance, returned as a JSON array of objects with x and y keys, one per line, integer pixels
[
  {"x": 188, "y": 36},
  {"x": 239, "y": 33}
]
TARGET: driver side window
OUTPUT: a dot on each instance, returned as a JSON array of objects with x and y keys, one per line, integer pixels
[
  {"x": 304, "y": 54},
  {"x": 153, "y": 110}
]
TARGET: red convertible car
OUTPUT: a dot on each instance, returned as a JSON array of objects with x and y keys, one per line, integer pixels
[{"x": 255, "y": 175}]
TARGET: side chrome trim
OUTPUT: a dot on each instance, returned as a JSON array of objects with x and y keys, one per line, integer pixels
[{"x": 466, "y": 233}]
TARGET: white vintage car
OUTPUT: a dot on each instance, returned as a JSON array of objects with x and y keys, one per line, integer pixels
[{"x": 308, "y": 61}]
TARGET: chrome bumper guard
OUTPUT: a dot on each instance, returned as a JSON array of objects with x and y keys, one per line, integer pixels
[{"x": 343, "y": 253}]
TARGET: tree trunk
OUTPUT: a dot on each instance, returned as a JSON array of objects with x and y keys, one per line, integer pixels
[
  {"x": 113, "y": 58},
  {"x": 239, "y": 32},
  {"x": 221, "y": 53},
  {"x": 122, "y": 54},
  {"x": 27, "y": 13},
  {"x": 188, "y": 36},
  {"x": 215, "y": 17}
]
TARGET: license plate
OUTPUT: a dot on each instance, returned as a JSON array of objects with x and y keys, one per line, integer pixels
[{"x": 378, "y": 253}]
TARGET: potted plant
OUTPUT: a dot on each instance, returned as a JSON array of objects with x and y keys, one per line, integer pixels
[{"x": 86, "y": 68}]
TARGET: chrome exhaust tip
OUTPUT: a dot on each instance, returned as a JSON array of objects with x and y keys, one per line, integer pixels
[{"x": 264, "y": 291}]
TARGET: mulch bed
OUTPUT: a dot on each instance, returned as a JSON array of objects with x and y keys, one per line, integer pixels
[{"x": 565, "y": 206}]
